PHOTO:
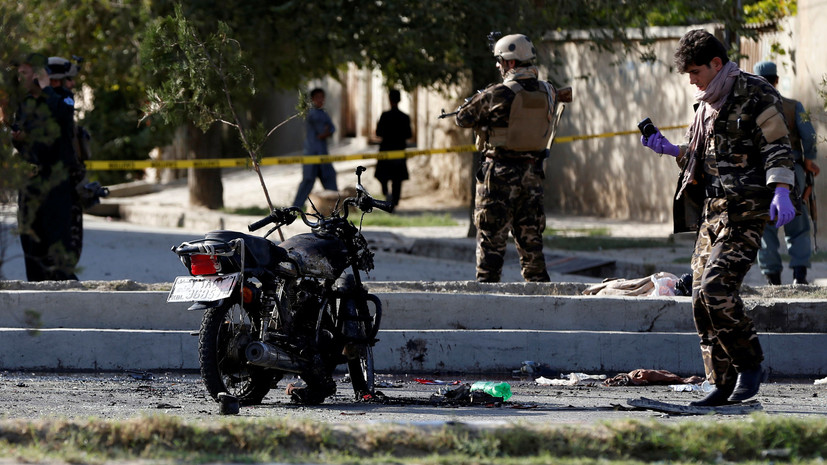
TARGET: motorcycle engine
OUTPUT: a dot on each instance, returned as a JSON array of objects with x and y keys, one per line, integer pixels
[{"x": 305, "y": 299}]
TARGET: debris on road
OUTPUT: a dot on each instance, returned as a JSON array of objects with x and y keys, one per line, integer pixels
[
  {"x": 644, "y": 377},
  {"x": 743, "y": 408},
  {"x": 572, "y": 379},
  {"x": 435, "y": 381},
  {"x": 532, "y": 368},
  {"x": 661, "y": 283}
]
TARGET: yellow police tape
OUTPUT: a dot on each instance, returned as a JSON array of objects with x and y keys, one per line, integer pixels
[{"x": 125, "y": 165}]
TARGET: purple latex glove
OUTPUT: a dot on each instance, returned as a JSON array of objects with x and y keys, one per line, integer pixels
[
  {"x": 660, "y": 144},
  {"x": 782, "y": 207}
]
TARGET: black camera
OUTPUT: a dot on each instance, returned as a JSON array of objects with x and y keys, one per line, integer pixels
[
  {"x": 91, "y": 193},
  {"x": 647, "y": 128}
]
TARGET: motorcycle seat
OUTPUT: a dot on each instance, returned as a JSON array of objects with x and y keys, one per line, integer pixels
[{"x": 263, "y": 251}]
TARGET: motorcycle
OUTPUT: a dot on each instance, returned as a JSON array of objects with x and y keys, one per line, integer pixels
[{"x": 297, "y": 307}]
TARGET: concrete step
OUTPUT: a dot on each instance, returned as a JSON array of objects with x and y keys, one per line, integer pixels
[
  {"x": 417, "y": 351},
  {"x": 463, "y": 328},
  {"x": 406, "y": 309}
]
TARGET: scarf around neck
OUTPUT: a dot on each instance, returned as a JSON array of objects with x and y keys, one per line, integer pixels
[
  {"x": 522, "y": 72},
  {"x": 711, "y": 101}
]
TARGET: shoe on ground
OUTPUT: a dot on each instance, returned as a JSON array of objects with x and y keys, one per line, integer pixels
[
  {"x": 312, "y": 394},
  {"x": 800, "y": 275},
  {"x": 747, "y": 384},
  {"x": 716, "y": 397},
  {"x": 305, "y": 395},
  {"x": 773, "y": 279}
]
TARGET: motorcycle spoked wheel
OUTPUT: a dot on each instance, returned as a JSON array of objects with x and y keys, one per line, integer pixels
[
  {"x": 360, "y": 368},
  {"x": 225, "y": 333}
]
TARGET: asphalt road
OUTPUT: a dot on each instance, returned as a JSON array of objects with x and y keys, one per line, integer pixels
[{"x": 129, "y": 395}]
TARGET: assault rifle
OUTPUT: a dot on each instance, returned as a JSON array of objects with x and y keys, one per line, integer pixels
[
  {"x": 809, "y": 198},
  {"x": 445, "y": 115}
]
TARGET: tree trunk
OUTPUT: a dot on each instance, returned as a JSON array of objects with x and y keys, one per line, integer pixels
[{"x": 205, "y": 187}]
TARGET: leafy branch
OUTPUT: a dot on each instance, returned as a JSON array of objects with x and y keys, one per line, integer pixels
[{"x": 204, "y": 81}]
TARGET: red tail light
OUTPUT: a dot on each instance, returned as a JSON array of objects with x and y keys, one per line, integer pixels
[
  {"x": 204, "y": 264},
  {"x": 247, "y": 294}
]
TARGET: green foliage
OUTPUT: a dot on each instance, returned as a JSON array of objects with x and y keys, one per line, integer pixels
[
  {"x": 118, "y": 135},
  {"x": 105, "y": 33},
  {"x": 282, "y": 44},
  {"x": 765, "y": 11},
  {"x": 13, "y": 169},
  {"x": 194, "y": 79}
]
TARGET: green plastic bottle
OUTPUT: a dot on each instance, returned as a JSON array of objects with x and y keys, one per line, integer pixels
[{"x": 493, "y": 388}]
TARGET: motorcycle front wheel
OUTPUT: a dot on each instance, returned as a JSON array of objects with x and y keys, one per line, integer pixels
[
  {"x": 360, "y": 368},
  {"x": 225, "y": 332}
]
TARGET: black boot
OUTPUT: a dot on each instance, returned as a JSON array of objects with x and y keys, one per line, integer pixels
[
  {"x": 800, "y": 275},
  {"x": 717, "y": 396},
  {"x": 773, "y": 279},
  {"x": 747, "y": 384}
]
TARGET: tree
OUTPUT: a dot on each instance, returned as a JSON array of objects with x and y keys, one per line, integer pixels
[
  {"x": 106, "y": 34},
  {"x": 288, "y": 42},
  {"x": 200, "y": 81}
]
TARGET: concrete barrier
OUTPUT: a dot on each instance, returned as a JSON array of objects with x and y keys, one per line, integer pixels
[{"x": 421, "y": 332}]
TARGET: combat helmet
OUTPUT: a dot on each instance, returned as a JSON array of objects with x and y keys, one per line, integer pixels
[{"x": 515, "y": 47}]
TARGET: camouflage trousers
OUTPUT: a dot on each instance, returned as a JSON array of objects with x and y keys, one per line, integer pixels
[
  {"x": 509, "y": 198},
  {"x": 724, "y": 252}
]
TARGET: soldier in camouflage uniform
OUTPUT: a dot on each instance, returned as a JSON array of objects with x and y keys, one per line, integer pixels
[
  {"x": 513, "y": 122},
  {"x": 737, "y": 170}
]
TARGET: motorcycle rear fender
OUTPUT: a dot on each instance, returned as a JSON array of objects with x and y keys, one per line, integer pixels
[{"x": 202, "y": 306}]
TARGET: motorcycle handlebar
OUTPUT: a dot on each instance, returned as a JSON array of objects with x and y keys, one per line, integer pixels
[
  {"x": 383, "y": 205},
  {"x": 363, "y": 200},
  {"x": 278, "y": 215},
  {"x": 260, "y": 223}
]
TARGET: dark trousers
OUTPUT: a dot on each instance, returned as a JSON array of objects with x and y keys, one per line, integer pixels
[
  {"x": 50, "y": 249},
  {"x": 395, "y": 193}
]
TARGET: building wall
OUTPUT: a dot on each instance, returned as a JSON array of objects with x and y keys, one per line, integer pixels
[
  {"x": 809, "y": 66},
  {"x": 611, "y": 177},
  {"x": 615, "y": 176}
]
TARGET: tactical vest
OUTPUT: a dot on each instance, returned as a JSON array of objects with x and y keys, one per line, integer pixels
[
  {"x": 788, "y": 106},
  {"x": 530, "y": 121}
]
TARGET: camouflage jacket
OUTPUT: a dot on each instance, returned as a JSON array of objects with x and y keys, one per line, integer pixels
[
  {"x": 747, "y": 153},
  {"x": 491, "y": 108}
]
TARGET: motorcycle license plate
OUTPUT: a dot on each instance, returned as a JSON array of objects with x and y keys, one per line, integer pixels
[{"x": 202, "y": 288}]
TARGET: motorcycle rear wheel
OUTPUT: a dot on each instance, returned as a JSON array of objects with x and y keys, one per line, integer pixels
[{"x": 225, "y": 332}]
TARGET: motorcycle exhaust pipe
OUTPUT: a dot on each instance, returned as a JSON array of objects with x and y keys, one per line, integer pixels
[{"x": 267, "y": 355}]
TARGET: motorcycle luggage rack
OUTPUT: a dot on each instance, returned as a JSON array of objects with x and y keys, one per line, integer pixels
[{"x": 208, "y": 249}]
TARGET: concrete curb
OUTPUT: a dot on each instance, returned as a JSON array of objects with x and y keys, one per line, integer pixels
[{"x": 421, "y": 332}]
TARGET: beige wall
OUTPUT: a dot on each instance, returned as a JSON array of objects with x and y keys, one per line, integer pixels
[
  {"x": 810, "y": 66},
  {"x": 615, "y": 176},
  {"x": 612, "y": 176}
]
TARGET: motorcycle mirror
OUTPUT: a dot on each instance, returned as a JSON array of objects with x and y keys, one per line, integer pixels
[{"x": 359, "y": 170}]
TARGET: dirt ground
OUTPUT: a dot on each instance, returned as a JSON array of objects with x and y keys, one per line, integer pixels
[{"x": 131, "y": 394}]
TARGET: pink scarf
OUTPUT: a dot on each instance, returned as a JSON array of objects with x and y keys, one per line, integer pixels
[{"x": 712, "y": 100}]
